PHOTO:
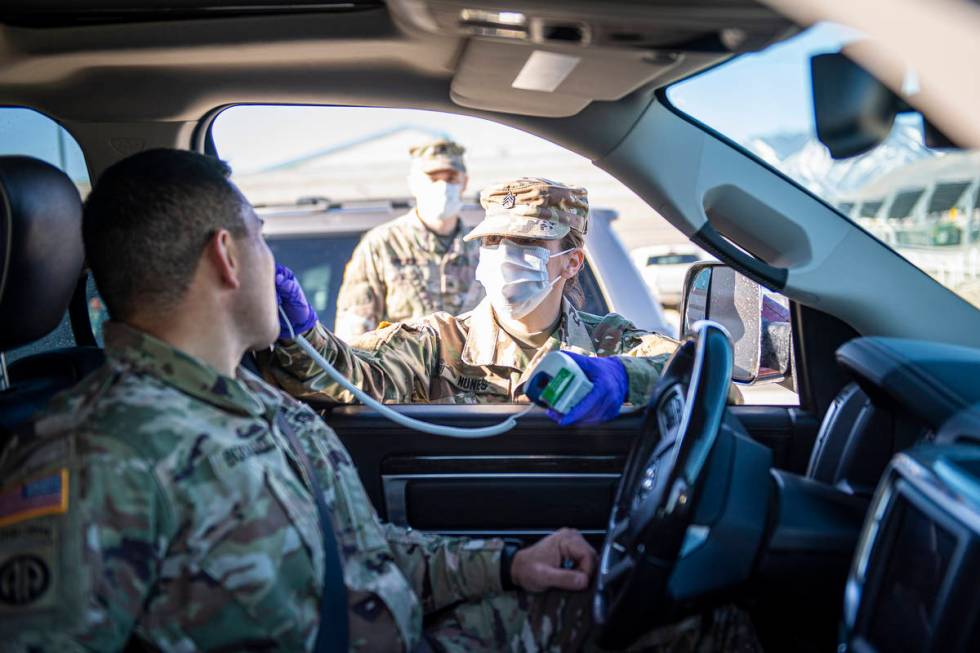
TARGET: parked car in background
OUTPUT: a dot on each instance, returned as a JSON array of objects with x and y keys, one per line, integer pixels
[
  {"x": 663, "y": 268},
  {"x": 315, "y": 238}
]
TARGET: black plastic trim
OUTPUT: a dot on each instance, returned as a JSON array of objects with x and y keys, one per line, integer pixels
[
  {"x": 758, "y": 270},
  {"x": 816, "y": 338},
  {"x": 932, "y": 381},
  {"x": 53, "y": 14},
  {"x": 81, "y": 323}
]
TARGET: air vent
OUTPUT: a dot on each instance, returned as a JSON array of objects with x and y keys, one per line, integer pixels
[
  {"x": 546, "y": 31},
  {"x": 569, "y": 33}
]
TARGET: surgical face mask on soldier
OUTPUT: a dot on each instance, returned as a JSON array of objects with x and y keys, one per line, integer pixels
[
  {"x": 437, "y": 200},
  {"x": 516, "y": 276}
]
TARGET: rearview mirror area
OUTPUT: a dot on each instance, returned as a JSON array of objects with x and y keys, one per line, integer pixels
[
  {"x": 854, "y": 111},
  {"x": 757, "y": 320}
]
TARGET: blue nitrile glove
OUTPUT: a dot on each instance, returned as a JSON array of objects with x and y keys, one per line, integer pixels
[
  {"x": 609, "y": 387},
  {"x": 293, "y": 302}
]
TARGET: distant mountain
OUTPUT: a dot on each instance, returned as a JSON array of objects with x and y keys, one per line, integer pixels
[{"x": 803, "y": 158}]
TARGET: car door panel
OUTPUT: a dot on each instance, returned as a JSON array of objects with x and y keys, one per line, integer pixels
[
  {"x": 788, "y": 431},
  {"x": 524, "y": 483},
  {"x": 516, "y": 496}
]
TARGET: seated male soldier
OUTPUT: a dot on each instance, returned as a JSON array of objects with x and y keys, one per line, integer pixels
[{"x": 200, "y": 509}]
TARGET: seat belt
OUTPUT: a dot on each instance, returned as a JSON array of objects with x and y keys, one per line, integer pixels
[{"x": 332, "y": 635}]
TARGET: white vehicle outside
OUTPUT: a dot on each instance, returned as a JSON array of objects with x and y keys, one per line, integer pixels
[{"x": 663, "y": 268}]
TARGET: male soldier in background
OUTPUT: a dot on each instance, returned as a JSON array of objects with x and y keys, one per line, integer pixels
[
  {"x": 168, "y": 498},
  {"x": 417, "y": 264}
]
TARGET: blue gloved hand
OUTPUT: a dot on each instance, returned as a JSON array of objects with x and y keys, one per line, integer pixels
[
  {"x": 293, "y": 302},
  {"x": 610, "y": 385}
]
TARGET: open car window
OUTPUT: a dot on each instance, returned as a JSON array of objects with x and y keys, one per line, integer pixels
[
  {"x": 321, "y": 177},
  {"x": 922, "y": 202},
  {"x": 344, "y": 170}
]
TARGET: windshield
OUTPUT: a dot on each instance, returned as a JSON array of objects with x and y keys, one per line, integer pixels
[{"x": 922, "y": 202}]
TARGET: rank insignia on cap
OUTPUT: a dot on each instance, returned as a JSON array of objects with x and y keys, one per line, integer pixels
[
  {"x": 509, "y": 201},
  {"x": 44, "y": 495}
]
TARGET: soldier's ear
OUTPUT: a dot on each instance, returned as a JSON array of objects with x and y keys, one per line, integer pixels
[
  {"x": 580, "y": 260},
  {"x": 223, "y": 256},
  {"x": 575, "y": 263}
]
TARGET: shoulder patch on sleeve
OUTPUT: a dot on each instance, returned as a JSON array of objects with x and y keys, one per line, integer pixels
[
  {"x": 607, "y": 335},
  {"x": 42, "y": 495},
  {"x": 371, "y": 340}
]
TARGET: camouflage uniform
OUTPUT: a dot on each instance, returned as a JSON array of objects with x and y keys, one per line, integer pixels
[
  {"x": 159, "y": 500},
  {"x": 402, "y": 270},
  {"x": 463, "y": 360},
  {"x": 469, "y": 358}
]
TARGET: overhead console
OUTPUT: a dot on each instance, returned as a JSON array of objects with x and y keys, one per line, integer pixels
[{"x": 552, "y": 58}]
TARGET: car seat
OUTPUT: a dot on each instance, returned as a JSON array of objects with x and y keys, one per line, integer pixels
[
  {"x": 856, "y": 441},
  {"x": 41, "y": 258}
]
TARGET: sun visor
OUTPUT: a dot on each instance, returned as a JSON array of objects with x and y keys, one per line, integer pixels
[{"x": 547, "y": 81}]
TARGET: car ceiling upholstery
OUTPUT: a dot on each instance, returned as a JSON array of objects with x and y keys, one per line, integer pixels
[{"x": 121, "y": 80}]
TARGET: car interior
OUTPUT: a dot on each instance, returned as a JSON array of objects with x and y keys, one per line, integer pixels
[{"x": 852, "y": 519}]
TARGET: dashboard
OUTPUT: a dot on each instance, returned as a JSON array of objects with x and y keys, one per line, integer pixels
[{"x": 912, "y": 585}]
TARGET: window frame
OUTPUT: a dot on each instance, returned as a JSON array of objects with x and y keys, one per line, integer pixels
[{"x": 202, "y": 140}]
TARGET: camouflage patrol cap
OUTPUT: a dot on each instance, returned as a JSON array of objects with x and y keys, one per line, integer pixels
[
  {"x": 532, "y": 207},
  {"x": 441, "y": 154}
]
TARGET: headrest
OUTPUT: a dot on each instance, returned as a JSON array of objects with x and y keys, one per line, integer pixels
[{"x": 41, "y": 254}]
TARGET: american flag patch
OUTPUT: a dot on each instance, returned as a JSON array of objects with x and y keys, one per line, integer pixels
[{"x": 44, "y": 495}]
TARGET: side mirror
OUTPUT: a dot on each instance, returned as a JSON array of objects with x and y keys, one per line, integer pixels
[{"x": 758, "y": 321}]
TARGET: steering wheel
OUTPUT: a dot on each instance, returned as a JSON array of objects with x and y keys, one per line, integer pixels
[{"x": 660, "y": 487}]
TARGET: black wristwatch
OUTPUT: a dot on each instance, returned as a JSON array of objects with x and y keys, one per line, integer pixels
[{"x": 511, "y": 548}]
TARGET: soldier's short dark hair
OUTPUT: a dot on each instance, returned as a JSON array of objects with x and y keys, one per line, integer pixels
[{"x": 147, "y": 221}]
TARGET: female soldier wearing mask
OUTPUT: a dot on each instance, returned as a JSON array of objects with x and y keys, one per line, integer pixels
[{"x": 531, "y": 253}]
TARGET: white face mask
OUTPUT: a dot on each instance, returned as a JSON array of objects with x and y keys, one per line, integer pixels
[
  {"x": 437, "y": 200},
  {"x": 516, "y": 277}
]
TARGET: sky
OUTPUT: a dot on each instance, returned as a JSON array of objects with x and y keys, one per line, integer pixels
[
  {"x": 253, "y": 137},
  {"x": 24, "y": 131},
  {"x": 763, "y": 93}
]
